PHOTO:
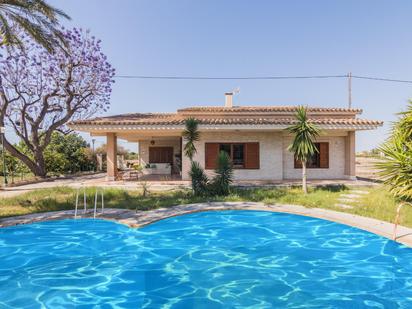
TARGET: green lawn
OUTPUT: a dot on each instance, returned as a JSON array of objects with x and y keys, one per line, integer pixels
[{"x": 377, "y": 204}]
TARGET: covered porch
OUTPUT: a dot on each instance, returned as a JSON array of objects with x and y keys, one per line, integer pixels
[{"x": 159, "y": 157}]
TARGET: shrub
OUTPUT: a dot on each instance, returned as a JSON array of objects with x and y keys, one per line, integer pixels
[
  {"x": 224, "y": 175},
  {"x": 199, "y": 179},
  {"x": 145, "y": 189}
]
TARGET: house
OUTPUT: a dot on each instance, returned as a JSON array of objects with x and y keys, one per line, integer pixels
[{"x": 253, "y": 136}]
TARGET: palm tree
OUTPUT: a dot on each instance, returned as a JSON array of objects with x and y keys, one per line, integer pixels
[
  {"x": 396, "y": 165},
  {"x": 199, "y": 179},
  {"x": 35, "y": 18},
  {"x": 303, "y": 145},
  {"x": 191, "y": 134}
]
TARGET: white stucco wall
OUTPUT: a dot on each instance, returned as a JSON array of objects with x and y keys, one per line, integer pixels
[
  {"x": 336, "y": 168},
  {"x": 145, "y": 144},
  {"x": 270, "y": 151}
]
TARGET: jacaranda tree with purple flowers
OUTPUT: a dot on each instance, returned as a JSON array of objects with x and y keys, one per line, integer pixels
[{"x": 41, "y": 91}]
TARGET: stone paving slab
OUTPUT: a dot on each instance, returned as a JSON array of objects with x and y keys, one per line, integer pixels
[
  {"x": 359, "y": 192},
  {"x": 350, "y": 196},
  {"x": 341, "y": 205},
  {"x": 345, "y": 199},
  {"x": 142, "y": 218}
]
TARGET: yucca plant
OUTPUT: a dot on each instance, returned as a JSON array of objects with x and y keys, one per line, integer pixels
[
  {"x": 223, "y": 175},
  {"x": 191, "y": 135},
  {"x": 303, "y": 145},
  {"x": 199, "y": 179},
  {"x": 35, "y": 18}
]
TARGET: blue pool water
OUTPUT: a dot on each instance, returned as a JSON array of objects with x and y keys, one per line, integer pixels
[{"x": 228, "y": 259}]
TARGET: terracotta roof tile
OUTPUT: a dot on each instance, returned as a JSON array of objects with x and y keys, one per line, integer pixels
[
  {"x": 176, "y": 119},
  {"x": 263, "y": 109}
]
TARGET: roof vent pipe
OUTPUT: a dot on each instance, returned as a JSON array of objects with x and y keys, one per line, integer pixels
[{"x": 229, "y": 99}]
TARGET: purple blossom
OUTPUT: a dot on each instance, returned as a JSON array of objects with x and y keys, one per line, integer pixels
[{"x": 34, "y": 75}]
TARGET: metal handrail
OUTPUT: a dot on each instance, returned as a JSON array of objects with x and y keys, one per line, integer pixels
[
  {"x": 85, "y": 202},
  {"x": 398, "y": 214}
]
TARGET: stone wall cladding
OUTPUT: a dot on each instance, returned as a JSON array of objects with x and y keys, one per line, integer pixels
[
  {"x": 270, "y": 144},
  {"x": 336, "y": 168},
  {"x": 276, "y": 162}
]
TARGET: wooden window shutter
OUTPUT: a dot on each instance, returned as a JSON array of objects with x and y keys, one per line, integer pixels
[
  {"x": 252, "y": 159},
  {"x": 297, "y": 163},
  {"x": 324, "y": 155},
  {"x": 211, "y": 154}
]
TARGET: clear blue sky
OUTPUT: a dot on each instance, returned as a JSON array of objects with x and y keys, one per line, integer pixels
[{"x": 251, "y": 38}]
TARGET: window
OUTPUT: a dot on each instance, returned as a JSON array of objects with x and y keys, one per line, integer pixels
[
  {"x": 238, "y": 155},
  {"x": 314, "y": 160},
  {"x": 226, "y": 148},
  {"x": 320, "y": 159},
  {"x": 235, "y": 152},
  {"x": 242, "y": 155}
]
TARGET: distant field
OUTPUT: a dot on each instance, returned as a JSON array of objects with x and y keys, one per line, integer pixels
[{"x": 365, "y": 167}]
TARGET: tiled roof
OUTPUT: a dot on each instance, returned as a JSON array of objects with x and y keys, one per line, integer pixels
[
  {"x": 266, "y": 109},
  {"x": 245, "y": 115},
  {"x": 135, "y": 118},
  {"x": 176, "y": 119}
]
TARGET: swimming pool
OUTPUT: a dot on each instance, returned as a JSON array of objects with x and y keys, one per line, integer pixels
[{"x": 225, "y": 259}]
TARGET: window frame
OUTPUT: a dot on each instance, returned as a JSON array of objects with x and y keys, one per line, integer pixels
[
  {"x": 231, "y": 152},
  {"x": 245, "y": 164}
]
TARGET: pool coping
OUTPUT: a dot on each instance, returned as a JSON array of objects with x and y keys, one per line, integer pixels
[{"x": 141, "y": 218}]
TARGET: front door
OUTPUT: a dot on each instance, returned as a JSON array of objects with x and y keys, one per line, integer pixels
[{"x": 161, "y": 155}]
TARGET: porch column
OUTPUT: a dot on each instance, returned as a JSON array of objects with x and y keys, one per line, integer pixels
[
  {"x": 350, "y": 155},
  {"x": 111, "y": 149}
]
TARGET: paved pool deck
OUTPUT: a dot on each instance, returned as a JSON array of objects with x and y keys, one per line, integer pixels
[{"x": 141, "y": 218}]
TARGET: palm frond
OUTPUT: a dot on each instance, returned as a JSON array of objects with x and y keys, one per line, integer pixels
[
  {"x": 395, "y": 169},
  {"x": 36, "y": 18},
  {"x": 305, "y": 134},
  {"x": 191, "y": 135}
]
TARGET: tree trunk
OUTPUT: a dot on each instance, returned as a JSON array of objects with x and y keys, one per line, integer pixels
[
  {"x": 304, "y": 185},
  {"x": 40, "y": 163},
  {"x": 38, "y": 168},
  {"x": 40, "y": 171},
  {"x": 33, "y": 166}
]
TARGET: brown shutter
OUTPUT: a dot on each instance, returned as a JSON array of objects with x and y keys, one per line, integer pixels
[
  {"x": 324, "y": 155},
  {"x": 211, "y": 154},
  {"x": 161, "y": 155},
  {"x": 297, "y": 163},
  {"x": 252, "y": 160}
]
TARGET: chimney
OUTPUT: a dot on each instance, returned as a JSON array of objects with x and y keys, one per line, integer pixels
[{"x": 229, "y": 99}]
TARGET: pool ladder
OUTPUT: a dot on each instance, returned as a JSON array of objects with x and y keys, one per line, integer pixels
[{"x": 85, "y": 202}]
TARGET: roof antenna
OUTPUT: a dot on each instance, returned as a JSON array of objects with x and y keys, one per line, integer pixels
[{"x": 236, "y": 91}]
